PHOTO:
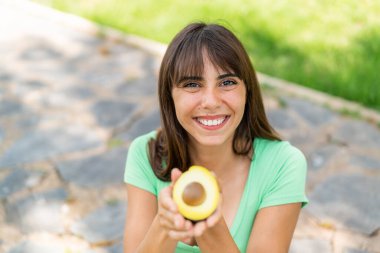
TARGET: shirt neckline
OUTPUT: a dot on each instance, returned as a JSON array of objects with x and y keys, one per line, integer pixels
[{"x": 243, "y": 201}]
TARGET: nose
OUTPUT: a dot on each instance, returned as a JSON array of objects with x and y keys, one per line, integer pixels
[{"x": 211, "y": 98}]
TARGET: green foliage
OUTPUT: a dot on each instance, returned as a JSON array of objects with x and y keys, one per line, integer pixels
[{"x": 332, "y": 46}]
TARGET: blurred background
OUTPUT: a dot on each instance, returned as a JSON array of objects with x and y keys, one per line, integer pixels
[
  {"x": 78, "y": 84},
  {"x": 331, "y": 46}
]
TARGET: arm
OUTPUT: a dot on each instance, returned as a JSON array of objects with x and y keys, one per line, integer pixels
[
  {"x": 216, "y": 233},
  {"x": 142, "y": 233},
  {"x": 273, "y": 229},
  {"x": 214, "y": 229},
  {"x": 153, "y": 226}
]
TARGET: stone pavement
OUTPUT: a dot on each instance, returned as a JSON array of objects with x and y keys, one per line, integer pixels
[{"x": 72, "y": 98}]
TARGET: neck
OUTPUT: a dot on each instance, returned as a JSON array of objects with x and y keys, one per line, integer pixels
[{"x": 219, "y": 159}]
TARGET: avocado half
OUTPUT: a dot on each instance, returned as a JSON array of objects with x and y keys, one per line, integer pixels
[{"x": 196, "y": 193}]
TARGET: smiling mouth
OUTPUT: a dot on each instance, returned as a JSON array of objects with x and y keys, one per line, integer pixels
[{"x": 212, "y": 122}]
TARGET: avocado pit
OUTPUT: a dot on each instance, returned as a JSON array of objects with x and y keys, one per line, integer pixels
[{"x": 194, "y": 194}]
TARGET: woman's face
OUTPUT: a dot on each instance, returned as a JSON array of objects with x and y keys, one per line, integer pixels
[{"x": 210, "y": 107}]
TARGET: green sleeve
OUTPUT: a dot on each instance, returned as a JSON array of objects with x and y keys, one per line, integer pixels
[
  {"x": 138, "y": 171},
  {"x": 289, "y": 179}
]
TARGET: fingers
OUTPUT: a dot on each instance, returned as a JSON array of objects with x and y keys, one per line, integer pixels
[
  {"x": 200, "y": 228},
  {"x": 165, "y": 199},
  {"x": 172, "y": 221},
  {"x": 175, "y": 225},
  {"x": 175, "y": 174},
  {"x": 180, "y": 235}
]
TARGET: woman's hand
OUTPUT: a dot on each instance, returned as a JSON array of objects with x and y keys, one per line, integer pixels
[
  {"x": 201, "y": 226},
  {"x": 175, "y": 225}
]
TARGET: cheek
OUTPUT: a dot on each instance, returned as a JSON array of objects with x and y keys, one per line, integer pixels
[
  {"x": 181, "y": 107},
  {"x": 185, "y": 104},
  {"x": 237, "y": 101}
]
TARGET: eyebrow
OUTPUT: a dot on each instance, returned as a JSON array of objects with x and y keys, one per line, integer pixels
[{"x": 199, "y": 78}]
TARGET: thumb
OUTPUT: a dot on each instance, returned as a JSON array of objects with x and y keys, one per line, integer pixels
[{"x": 175, "y": 174}]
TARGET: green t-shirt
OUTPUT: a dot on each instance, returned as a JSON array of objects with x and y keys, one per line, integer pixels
[{"x": 277, "y": 176}]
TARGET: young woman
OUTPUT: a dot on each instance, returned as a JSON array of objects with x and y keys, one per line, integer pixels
[{"x": 212, "y": 115}]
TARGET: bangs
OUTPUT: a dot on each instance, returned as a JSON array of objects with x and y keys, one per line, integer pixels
[{"x": 188, "y": 61}]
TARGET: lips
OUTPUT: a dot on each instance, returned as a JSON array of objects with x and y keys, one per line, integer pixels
[{"x": 213, "y": 121}]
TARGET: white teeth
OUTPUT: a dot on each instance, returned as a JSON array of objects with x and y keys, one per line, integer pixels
[{"x": 214, "y": 122}]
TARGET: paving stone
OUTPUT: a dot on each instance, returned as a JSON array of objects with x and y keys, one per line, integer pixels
[
  {"x": 10, "y": 107},
  {"x": 310, "y": 246},
  {"x": 34, "y": 84},
  {"x": 314, "y": 114},
  {"x": 103, "y": 225},
  {"x": 301, "y": 138},
  {"x": 40, "y": 50},
  {"x": 90, "y": 41},
  {"x": 28, "y": 122},
  {"x": 23, "y": 88},
  {"x": 143, "y": 125},
  {"x": 355, "y": 251},
  {"x": 100, "y": 70},
  {"x": 366, "y": 162},
  {"x": 321, "y": 156},
  {"x": 102, "y": 77},
  {"x": 280, "y": 118},
  {"x": 49, "y": 247},
  {"x": 56, "y": 99},
  {"x": 112, "y": 113},
  {"x": 38, "y": 212},
  {"x": 35, "y": 247},
  {"x": 144, "y": 85},
  {"x": 354, "y": 132},
  {"x": 19, "y": 179},
  {"x": 343, "y": 199},
  {"x": 95, "y": 171},
  {"x": 80, "y": 92},
  {"x": 118, "y": 248},
  {"x": 1, "y": 135},
  {"x": 46, "y": 144},
  {"x": 5, "y": 76},
  {"x": 2, "y": 90},
  {"x": 141, "y": 87}
]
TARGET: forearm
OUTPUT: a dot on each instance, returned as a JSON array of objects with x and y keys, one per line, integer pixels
[
  {"x": 217, "y": 239},
  {"x": 157, "y": 240}
]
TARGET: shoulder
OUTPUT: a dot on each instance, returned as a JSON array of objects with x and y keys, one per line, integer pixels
[
  {"x": 278, "y": 156},
  {"x": 138, "y": 150},
  {"x": 281, "y": 150},
  {"x": 138, "y": 170},
  {"x": 281, "y": 170},
  {"x": 139, "y": 146}
]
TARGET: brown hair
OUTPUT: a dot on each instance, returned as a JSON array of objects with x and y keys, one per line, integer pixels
[{"x": 183, "y": 57}]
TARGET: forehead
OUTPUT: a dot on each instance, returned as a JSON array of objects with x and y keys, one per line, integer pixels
[{"x": 194, "y": 63}]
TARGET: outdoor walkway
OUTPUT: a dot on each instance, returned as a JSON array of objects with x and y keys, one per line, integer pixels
[{"x": 72, "y": 99}]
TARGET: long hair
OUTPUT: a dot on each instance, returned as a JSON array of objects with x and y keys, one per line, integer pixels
[{"x": 184, "y": 57}]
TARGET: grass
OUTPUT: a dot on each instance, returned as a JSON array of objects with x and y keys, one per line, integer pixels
[{"x": 331, "y": 46}]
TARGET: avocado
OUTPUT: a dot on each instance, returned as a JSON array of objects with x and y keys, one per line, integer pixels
[{"x": 196, "y": 193}]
